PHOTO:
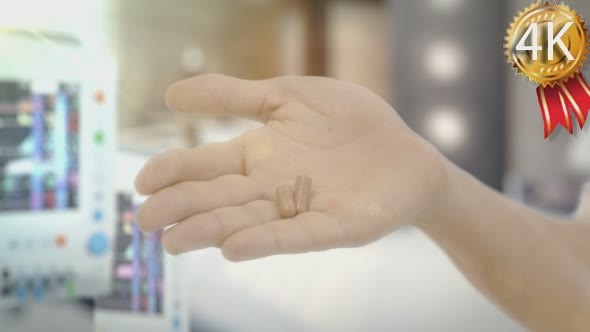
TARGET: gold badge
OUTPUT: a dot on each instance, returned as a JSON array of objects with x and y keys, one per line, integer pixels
[{"x": 548, "y": 43}]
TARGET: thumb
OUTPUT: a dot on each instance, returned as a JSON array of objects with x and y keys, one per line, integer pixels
[{"x": 583, "y": 213}]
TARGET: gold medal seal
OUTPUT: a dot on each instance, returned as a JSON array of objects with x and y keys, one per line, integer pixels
[{"x": 548, "y": 43}]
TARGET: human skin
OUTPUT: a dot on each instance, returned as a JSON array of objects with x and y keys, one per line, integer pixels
[{"x": 371, "y": 174}]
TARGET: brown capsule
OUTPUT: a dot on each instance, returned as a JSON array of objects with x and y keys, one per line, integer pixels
[
  {"x": 285, "y": 201},
  {"x": 302, "y": 193}
]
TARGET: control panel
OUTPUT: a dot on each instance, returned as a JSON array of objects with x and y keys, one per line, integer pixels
[
  {"x": 57, "y": 142},
  {"x": 148, "y": 292}
]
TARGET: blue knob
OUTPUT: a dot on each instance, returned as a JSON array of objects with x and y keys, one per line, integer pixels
[
  {"x": 98, "y": 244},
  {"x": 39, "y": 291},
  {"x": 176, "y": 323},
  {"x": 97, "y": 215},
  {"x": 21, "y": 289}
]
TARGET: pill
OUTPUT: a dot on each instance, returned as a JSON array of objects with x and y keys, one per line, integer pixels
[
  {"x": 285, "y": 201},
  {"x": 302, "y": 193}
]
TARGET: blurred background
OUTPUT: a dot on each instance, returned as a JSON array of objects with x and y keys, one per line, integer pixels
[{"x": 82, "y": 108}]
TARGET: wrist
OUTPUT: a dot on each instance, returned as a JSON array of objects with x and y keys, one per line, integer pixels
[
  {"x": 462, "y": 199},
  {"x": 465, "y": 201},
  {"x": 431, "y": 196},
  {"x": 444, "y": 203}
]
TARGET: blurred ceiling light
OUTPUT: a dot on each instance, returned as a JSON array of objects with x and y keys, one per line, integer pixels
[
  {"x": 54, "y": 16},
  {"x": 445, "y": 5},
  {"x": 445, "y": 61},
  {"x": 193, "y": 59},
  {"x": 447, "y": 128}
]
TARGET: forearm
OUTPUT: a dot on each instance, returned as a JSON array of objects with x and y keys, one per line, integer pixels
[{"x": 533, "y": 266}]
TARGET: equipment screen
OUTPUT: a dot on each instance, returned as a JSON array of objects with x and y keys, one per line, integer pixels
[
  {"x": 138, "y": 271},
  {"x": 39, "y": 144}
]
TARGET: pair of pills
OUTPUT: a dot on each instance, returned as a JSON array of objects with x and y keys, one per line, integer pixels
[{"x": 292, "y": 202}]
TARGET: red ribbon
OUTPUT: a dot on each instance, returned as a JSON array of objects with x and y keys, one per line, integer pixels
[{"x": 557, "y": 101}]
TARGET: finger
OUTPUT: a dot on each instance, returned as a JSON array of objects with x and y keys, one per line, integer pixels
[
  {"x": 224, "y": 95},
  {"x": 211, "y": 228},
  {"x": 175, "y": 203},
  {"x": 204, "y": 162},
  {"x": 305, "y": 232}
]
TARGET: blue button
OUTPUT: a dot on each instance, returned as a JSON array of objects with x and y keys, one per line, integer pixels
[
  {"x": 98, "y": 244},
  {"x": 21, "y": 289},
  {"x": 97, "y": 215},
  {"x": 39, "y": 291},
  {"x": 176, "y": 323}
]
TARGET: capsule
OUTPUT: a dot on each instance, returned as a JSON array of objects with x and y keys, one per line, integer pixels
[
  {"x": 302, "y": 193},
  {"x": 285, "y": 201}
]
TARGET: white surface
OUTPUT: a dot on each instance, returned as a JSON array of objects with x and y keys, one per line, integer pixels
[{"x": 400, "y": 283}]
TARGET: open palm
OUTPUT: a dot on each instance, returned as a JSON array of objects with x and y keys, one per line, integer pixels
[{"x": 370, "y": 172}]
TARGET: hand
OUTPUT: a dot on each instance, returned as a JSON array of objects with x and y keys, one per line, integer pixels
[{"x": 370, "y": 172}]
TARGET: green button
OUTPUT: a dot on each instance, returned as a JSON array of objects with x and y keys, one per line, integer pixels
[
  {"x": 70, "y": 289},
  {"x": 9, "y": 184},
  {"x": 50, "y": 181},
  {"x": 99, "y": 137}
]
